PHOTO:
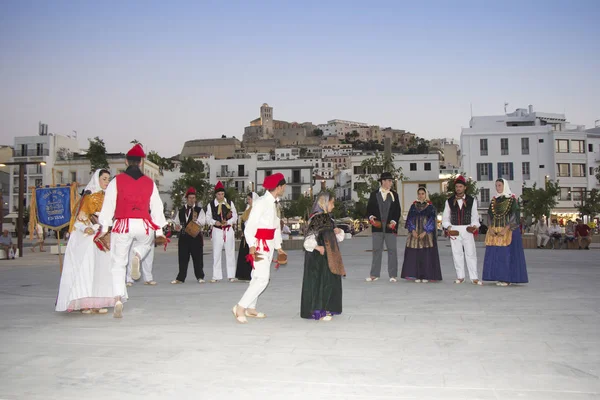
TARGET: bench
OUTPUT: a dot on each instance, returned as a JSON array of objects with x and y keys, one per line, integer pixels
[{"x": 3, "y": 254}]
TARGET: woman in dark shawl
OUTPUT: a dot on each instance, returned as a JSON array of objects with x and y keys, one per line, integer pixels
[
  {"x": 244, "y": 268},
  {"x": 323, "y": 266},
  {"x": 421, "y": 257}
]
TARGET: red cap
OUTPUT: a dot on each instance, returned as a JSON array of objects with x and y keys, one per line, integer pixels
[
  {"x": 191, "y": 190},
  {"x": 136, "y": 151},
  {"x": 460, "y": 179},
  {"x": 272, "y": 181},
  {"x": 219, "y": 187}
]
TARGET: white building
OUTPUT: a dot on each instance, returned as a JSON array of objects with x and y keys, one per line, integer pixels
[
  {"x": 593, "y": 143},
  {"x": 420, "y": 170},
  {"x": 287, "y": 153},
  {"x": 297, "y": 173},
  {"x": 526, "y": 147},
  {"x": 44, "y": 147},
  {"x": 339, "y": 128},
  {"x": 235, "y": 172}
]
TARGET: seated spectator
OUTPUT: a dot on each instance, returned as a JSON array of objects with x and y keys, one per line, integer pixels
[
  {"x": 555, "y": 233},
  {"x": 7, "y": 245},
  {"x": 569, "y": 232},
  {"x": 583, "y": 234},
  {"x": 541, "y": 231}
]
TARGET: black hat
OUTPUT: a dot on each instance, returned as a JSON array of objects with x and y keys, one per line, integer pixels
[{"x": 385, "y": 175}]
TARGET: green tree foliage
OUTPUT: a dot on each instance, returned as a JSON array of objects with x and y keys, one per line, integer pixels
[
  {"x": 97, "y": 154},
  {"x": 318, "y": 132},
  {"x": 538, "y": 202},
  {"x": 371, "y": 169},
  {"x": 472, "y": 189},
  {"x": 591, "y": 205},
  {"x": 300, "y": 207},
  {"x": 164, "y": 164},
  {"x": 597, "y": 170},
  {"x": 418, "y": 146},
  {"x": 438, "y": 200},
  {"x": 193, "y": 176}
]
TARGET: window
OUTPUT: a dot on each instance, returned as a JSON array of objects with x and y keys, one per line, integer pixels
[
  {"x": 483, "y": 147},
  {"x": 413, "y": 166},
  {"x": 485, "y": 195},
  {"x": 524, "y": 145},
  {"x": 563, "y": 169},
  {"x": 73, "y": 176},
  {"x": 526, "y": 171},
  {"x": 427, "y": 166},
  {"x": 541, "y": 140},
  {"x": 579, "y": 170},
  {"x": 590, "y": 148},
  {"x": 484, "y": 172},
  {"x": 38, "y": 182},
  {"x": 40, "y": 149},
  {"x": 504, "y": 146},
  {"x": 591, "y": 171},
  {"x": 268, "y": 172},
  {"x": 505, "y": 170},
  {"x": 296, "y": 192},
  {"x": 541, "y": 166},
  {"x": 564, "y": 194},
  {"x": 561, "y": 146},
  {"x": 295, "y": 176},
  {"x": 578, "y": 193},
  {"x": 577, "y": 146}
]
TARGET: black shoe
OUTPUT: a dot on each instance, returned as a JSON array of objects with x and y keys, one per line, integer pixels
[
  {"x": 587, "y": 247},
  {"x": 538, "y": 247},
  {"x": 579, "y": 247}
]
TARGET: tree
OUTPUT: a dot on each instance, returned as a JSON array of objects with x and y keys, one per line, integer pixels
[
  {"x": 597, "y": 170},
  {"x": 318, "y": 132},
  {"x": 164, "y": 164},
  {"x": 97, "y": 154},
  {"x": 538, "y": 202},
  {"x": 438, "y": 200},
  {"x": 223, "y": 137},
  {"x": 371, "y": 169},
  {"x": 193, "y": 176},
  {"x": 300, "y": 207},
  {"x": 418, "y": 146},
  {"x": 472, "y": 189},
  {"x": 358, "y": 210},
  {"x": 189, "y": 165},
  {"x": 591, "y": 205}
]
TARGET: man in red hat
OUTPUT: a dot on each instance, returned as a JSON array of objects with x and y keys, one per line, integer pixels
[
  {"x": 263, "y": 235},
  {"x": 189, "y": 245},
  {"x": 461, "y": 220},
  {"x": 132, "y": 206},
  {"x": 221, "y": 215}
]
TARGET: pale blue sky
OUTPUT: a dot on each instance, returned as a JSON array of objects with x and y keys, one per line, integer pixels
[{"x": 165, "y": 72}]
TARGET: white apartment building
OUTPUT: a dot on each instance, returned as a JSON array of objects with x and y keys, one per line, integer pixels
[
  {"x": 298, "y": 175},
  {"x": 287, "y": 153},
  {"x": 41, "y": 148},
  {"x": 526, "y": 147},
  {"x": 593, "y": 143},
  {"x": 343, "y": 185},
  {"x": 235, "y": 172},
  {"x": 420, "y": 170}
]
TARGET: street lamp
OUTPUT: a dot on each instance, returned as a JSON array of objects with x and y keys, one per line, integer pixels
[{"x": 21, "y": 165}]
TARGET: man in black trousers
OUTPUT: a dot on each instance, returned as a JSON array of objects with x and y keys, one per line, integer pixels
[
  {"x": 189, "y": 245},
  {"x": 383, "y": 211}
]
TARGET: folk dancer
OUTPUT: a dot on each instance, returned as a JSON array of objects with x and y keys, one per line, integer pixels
[
  {"x": 189, "y": 245},
  {"x": 132, "y": 206},
  {"x": 221, "y": 215},
  {"x": 384, "y": 213},
  {"x": 461, "y": 220},
  {"x": 263, "y": 235}
]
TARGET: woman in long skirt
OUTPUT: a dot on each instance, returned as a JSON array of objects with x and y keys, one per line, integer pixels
[
  {"x": 323, "y": 266},
  {"x": 421, "y": 257},
  {"x": 244, "y": 268},
  {"x": 504, "y": 257},
  {"x": 86, "y": 280}
]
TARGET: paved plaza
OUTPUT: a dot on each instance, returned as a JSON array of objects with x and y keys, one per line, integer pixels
[{"x": 393, "y": 341}]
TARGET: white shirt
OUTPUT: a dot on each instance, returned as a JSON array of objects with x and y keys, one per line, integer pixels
[
  {"x": 110, "y": 204},
  {"x": 474, "y": 214},
  {"x": 310, "y": 242},
  {"x": 263, "y": 216},
  {"x": 541, "y": 228},
  {"x": 209, "y": 217},
  {"x": 201, "y": 220}
]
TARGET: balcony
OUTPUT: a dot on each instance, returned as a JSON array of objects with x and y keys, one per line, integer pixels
[
  {"x": 31, "y": 153},
  {"x": 301, "y": 181},
  {"x": 232, "y": 174}
]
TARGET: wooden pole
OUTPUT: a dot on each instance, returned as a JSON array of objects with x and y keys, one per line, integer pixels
[
  {"x": 20, "y": 228},
  {"x": 60, "y": 260}
]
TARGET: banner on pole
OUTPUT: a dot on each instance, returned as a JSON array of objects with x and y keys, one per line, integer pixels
[{"x": 53, "y": 206}]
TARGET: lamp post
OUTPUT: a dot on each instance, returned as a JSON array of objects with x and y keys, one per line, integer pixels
[{"x": 21, "y": 165}]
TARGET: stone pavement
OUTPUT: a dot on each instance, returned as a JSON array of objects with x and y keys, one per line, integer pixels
[{"x": 393, "y": 341}]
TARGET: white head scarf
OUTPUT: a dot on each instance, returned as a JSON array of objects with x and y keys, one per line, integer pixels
[
  {"x": 426, "y": 193},
  {"x": 94, "y": 185},
  {"x": 506, "y": 193}
]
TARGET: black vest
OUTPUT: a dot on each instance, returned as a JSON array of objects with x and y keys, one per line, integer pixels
[
  {"x": 224, "y": 210},
  {"x": 460, "y": 216},
  {"x": 183, "y": 221}
]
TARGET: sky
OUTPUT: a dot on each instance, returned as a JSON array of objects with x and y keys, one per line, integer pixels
[{"x": 166, "y": 72}]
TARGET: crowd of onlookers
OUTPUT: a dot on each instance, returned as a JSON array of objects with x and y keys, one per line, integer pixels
[{"x": 556, "y": 236}]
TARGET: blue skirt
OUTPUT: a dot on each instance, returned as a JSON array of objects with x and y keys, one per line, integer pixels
[{"x": 506, "y": 263}]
